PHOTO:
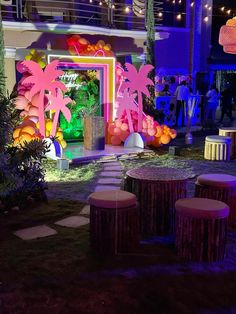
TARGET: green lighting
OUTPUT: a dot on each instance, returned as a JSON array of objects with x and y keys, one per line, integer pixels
[{"x": 83, "y": 89}]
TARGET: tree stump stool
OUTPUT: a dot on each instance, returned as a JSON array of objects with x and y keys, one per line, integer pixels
[
  {"x": 201, "y": 229},
  {"x": 221, "y": 187},
  {"x": 231, "y": 132},
  {"x": 157, "y": 189},
  {"x": 217, "y": 147},
  {"x": 114, "y": 222}
]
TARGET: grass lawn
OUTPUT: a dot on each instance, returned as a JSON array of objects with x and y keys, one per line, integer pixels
[{"x": 59, "y": 274}]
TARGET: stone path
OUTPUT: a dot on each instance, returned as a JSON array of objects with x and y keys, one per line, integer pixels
[{"x": 110, "y": 179}]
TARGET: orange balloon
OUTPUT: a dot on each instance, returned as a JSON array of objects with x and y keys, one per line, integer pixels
[
  {"x": 28, "y": 129},
  {"x": 16, "y": 133},
  {"x": 117, "y": 131},
  {"x": 165, "y": 139},
  {"x": 173, "y": 133},
  {"x": 115, "y": 140},
  {"x": 159, "y": 131},
  {"x": 156, "y": 142},
  {"x": 111, "y": 128}
]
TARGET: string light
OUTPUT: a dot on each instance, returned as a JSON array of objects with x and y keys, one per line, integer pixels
[
  {"x": 222, "y": 9},
  {"x": 180, "y": 1},
  {"x": 140, "y": 11},
  {"x": 90, "y": 1},
  {"x": 113, "y": 6},
  {"x": 206, "y": 6},
  {"x": 209, "y": 8},
  {"x": 100, "y": 3},
  {"x": 206, "y": 19},
  {"x": 179, "y": 16},
  {"x": 127, "y": 9},
  {"x": 160, "y": 14},
  {"x": 228, "y": 12},
  {"x": 192, "y": 4}
]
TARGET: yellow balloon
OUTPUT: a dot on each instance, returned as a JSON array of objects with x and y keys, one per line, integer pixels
[
  {"x": 49, "y": 125},
  {"x": 16, "y": 133},
  {"x": 63, "y": 144},
  {"x": 28, "y": 129},
  {"x": 59, "y": 135}
]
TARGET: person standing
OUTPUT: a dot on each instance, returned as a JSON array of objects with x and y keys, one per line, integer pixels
[
  {"x": 182, "y": 94},
  {"x": 212, "y": 103},
  {"x": 226, "y": 103}
]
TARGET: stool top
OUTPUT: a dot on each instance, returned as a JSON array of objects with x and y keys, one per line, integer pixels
[
  {"x": 219, "y": 139},
  {"x": 158, "y": 174},
  {"x": 112, "y": 199},
  {"x": 217, "y": 180},
  {"x": 202, "y": 208},
  {"x": 230, "y": 128}
]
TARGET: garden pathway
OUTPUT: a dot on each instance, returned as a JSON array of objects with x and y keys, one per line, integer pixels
[{"x": 110, "y": 178}]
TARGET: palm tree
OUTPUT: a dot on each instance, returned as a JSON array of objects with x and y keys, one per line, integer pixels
[
  {"x": 137, "y": 81},
  {"x": 58, "y": 104},
  {"x": 127, "y": 103},
  {"x": 43, "y": 81}
]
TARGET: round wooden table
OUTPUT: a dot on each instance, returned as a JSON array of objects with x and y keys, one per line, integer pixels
[{"x": 157, "y": 189}]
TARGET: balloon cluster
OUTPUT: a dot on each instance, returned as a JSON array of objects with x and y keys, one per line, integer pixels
[
  {"x": 153, "y": 133},
  {"x": 79, "y": 46},
  {"x": 29, "y": 128},
  {"x": 37, "y": 56}
]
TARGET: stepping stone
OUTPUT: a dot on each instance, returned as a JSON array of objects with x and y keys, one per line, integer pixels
[
  {"x": 73, "y": 222},
  {"x": 112, "y": 168},
  {"x": 111, "y": 174},
  {"x": 109, "y": 181},
  {"x": 35, "y": 232},
  {"x": 100, "y": 188},
  {"x": 113, "y": 163},
  {"x": 85, "y": 210}
]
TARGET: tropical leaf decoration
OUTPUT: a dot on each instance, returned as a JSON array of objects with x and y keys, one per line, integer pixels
[
  {"x": 44, "y": 81},
  {"x": 137, "y": 81}
]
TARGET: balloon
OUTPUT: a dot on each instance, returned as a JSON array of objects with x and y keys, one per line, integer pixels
[
  {"x": 115, "y": 140},
  {"x": 173, "y": 133},
  {"x": 155, "y": 124},
  {"x": 165, "y": 139},
  {"x": 28, "y": 129},
  {"x": 124, "y": 135},
  {"x": 33, "y": 111},
  {"x": 16, "y": 133},
  {"x": 63, "y": 144},
  {"x": 156, "y": 142},
  {"x": 111, "y": 128},
  {"x": 145, "y": 124},
  {"x": 159, "y": 131},
  {"x": 151, "y": 132},
  {"x": 118, "y": 123},
  {"x": 21, "y": 102},
  {"x": 124, "y": 127},
  {"x": 48, "y": 125},
  {"x": 117, "y": 131}
]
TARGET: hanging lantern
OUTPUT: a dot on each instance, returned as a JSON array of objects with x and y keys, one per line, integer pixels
[{"x": 227, "y": 37}]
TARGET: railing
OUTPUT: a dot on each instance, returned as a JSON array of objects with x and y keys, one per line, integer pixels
[{"x": 129, "y": 14}]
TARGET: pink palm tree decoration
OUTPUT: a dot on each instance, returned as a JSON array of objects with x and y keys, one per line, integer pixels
[
  {"x": 127, "y": 103},
  {"x": 58, "y": 104},
  {"x": 138, "y": 81},
  {"x": 44, "y": 81}
]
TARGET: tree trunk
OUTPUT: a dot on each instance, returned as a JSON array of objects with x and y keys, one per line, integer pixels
[{"x": 2, "y": 71}]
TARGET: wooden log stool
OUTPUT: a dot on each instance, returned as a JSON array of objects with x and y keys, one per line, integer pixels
[
  {"x": 157, "y": 189},
  {"x": 114, "y": 222},
  {"x": 221, "y": 187},
  {"x": 231, "y": 132},
  {"x": 201, "y": 229},
  {"x": 217, "y": 147}
]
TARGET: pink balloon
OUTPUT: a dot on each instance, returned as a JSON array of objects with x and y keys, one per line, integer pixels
[
  {"x": 33, "y": 111},
  {"x": 21, "y": 102},
  {"x": 124, "y": 127},
  {"x": 151, "y": 132},
  {"x": 118, "y": 123},
  {"x": 155, "y": 124},
  {"x": 115, "y": 140}
]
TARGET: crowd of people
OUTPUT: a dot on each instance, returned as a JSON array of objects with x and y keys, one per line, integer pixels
[{"x": 211, "y": 101}]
